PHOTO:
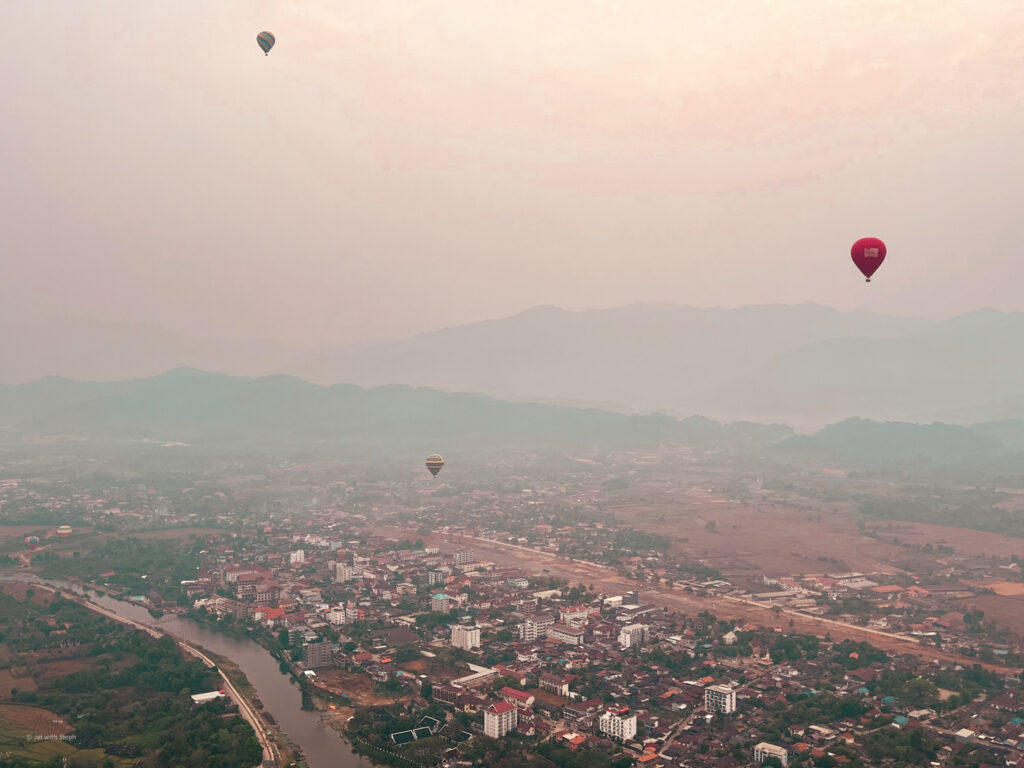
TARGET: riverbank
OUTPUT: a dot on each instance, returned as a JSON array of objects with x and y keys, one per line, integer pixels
[
  {"x": 299, "y": 735},
  {"x": 288, "y": 752},
  {"x": 262, "y": 730}
]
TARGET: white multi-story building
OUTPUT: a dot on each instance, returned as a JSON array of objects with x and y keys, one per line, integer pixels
[
  {"x": 345, "y": 572},
  {"x": 765, "y": 750},
  {"x": 720, "y": 698},
  {"x": 633, "y": 635},
  {"x": 297, "y": 557},
  {"x": 463, "y": 558},
  {"x": 565, "y": 634},
  {"x": 618, "y": 724},
  {"x": 336, "y": 615},
  {"x": 534, "y": 627},
  {"x": 499, "y": 719},
  {"x": 576, "y": 615},
  {"x": 465, "y": 637}
]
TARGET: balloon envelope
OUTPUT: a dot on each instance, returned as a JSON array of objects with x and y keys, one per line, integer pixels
[
  {"x": 868, "y": 254},
  {"x": 265, "y": 40},
  {"x": 64, "y": 531},
  {"x": 434, "y": 464},
  {"x": 32, "y": 541}
]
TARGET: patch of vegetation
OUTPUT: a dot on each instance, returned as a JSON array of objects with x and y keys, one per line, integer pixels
[{"x": 132, "y": 699}]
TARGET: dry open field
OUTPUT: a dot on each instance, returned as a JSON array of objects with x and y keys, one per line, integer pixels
[
  {"x": 359, "y": 687},
  {"x": 1004, "y": 610},
  {"x": 8, "y": 683},
  {"x": 179, "y": 533},
  {"x": 1004, "y": 588},
  {"x": 547, "y": 697},
  {"x": 53, "y": 670},
  {"x": 18, "y": 590},
  {"x": 780, "y": 538},
  {"x": 19, "y": 532},
  {"x": 433, "y": 667},
  {"x": 34, "y": 720}
]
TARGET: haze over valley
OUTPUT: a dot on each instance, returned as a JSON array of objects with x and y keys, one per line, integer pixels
[
  {"x": 484, "y": 384},
  {"x": 805, "y": 365}
]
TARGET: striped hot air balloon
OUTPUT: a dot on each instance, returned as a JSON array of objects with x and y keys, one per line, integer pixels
[
  {"x": 32, "y": 542},
  {"x": 265, "y": 40},
  {"x": 64, "y": 531},
  {"x": 434, "y": 464}
]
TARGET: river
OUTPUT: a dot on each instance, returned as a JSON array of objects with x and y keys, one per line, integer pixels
[{"x": 323, "y": 747}]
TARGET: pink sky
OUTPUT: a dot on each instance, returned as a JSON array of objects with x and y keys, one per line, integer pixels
[{"x": 403, "y": 165}]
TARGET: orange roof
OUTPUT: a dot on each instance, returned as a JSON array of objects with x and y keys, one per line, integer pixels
[
  {"x": 888, "y": 589},
  {"x": 647, "y": 757}
]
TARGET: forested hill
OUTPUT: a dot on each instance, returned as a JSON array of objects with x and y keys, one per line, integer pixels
[
  {"x": 189, "y": 405},
  {"x": 866, "y": 443}
]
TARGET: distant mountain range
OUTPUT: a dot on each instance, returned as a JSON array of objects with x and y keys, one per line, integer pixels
[
  {"x": 861, "y": 443},
  {"x": 109, "y": 351},
  {"x": 804, "y": 365},
  {"x": 189, "y": 405}
]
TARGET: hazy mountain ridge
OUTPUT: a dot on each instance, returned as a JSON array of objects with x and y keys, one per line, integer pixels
[
  {"x": 97, "y": 350},
  {"x": 192, "y": 405},
  {"x": 866, "y": 443},
  {"x": 804, "y": 365},
  {"x": 672, "y": 358}
]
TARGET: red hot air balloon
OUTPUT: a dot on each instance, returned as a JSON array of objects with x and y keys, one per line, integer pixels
[{"x": 868, "y": 254}]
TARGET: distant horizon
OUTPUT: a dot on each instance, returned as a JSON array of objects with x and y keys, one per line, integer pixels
[
  {"x": 803, "y": 364},
  {"x": 144, "y": 323},
  {"x": 795, "y": 428}
]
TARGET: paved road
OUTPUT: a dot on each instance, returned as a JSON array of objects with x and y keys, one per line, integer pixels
[
  {"x": 676, "y": 731},
  {"x": 606, "y": 578},
  {"x": 270, "y": 751}
]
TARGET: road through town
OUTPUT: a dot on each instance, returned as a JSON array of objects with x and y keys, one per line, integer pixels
[{"x": 605, "y": 580}]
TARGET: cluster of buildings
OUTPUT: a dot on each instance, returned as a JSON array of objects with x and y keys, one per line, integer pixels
[
  {"x": 585, "y": 671},
  {"x": 511, "y": 654}
]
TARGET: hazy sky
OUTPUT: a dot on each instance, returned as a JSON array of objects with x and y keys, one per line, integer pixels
[{"x": 397, "y": 165}]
